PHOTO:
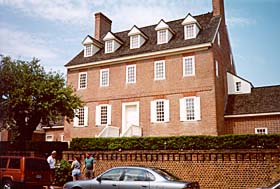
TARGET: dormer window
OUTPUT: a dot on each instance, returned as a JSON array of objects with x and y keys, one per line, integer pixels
[
  {"x": 164, "y": 32},
  {"x": 109, "y": 46},
  {"x": 91, "y": 46},
  {"x": 112, "y": 43},
  {"x": 134, "y": 41},
  {"x": 88, "y": 50},
  {"x": 162, "y": 36},
  {"x": 137, "y": 38},
  {"x": 191, "y": 27}
]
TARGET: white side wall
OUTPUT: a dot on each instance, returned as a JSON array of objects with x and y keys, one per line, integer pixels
[{"x": 232, "y": 80}]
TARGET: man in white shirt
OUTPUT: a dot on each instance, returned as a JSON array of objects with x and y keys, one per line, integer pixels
[{"x": 51, "y": 161}]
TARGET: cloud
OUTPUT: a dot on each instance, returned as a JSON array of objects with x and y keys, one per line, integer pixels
[{"x": 66, "y": 11}]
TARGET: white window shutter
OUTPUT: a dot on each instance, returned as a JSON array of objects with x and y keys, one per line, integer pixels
[
  {"x": 76, "y": 119},
  {"x": 109, "y": 114},
  {"x": 85, "y": 116},
  {"x": 183, "y": 115},
  {"x": 98, "y": 115},
  {"x": 197, "y": 108},
  {"x": 166, "y": 111},
  {"x": 153, "y": 112}
]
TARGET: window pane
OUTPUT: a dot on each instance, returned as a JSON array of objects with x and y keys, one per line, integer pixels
[
  {"x": 134, "y": 41},
  {"x": 159, "y": 70},
  {"x": 83, "y": 80},
  {"x": 190, "y": 109},
  {"x": 3, "y": 162},
  {"x": 131, "y": 76},
  {"x": 104, "y": 77},
  {"x": 81, "y": 116},
  {"x": 104, "y": 115},
  {"x": 188, "y": 66},
  {"x": 160, "y": 110},
  {"x": 88, "y": 50},
  {"x": 238, "y": 86},
  {"x": 135, "y": 175},
  {"x": 189, "y": 31},
  {"x": 114, "y": 175},
  {"x": 14, "y": 163},
  {"x": 109, "y": 46},
  {"x": 162, "y": 36}
]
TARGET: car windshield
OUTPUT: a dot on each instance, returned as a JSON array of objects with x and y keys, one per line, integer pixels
[{"x": 165, "y": 174}]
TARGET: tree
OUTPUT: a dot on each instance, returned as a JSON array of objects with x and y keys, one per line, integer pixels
[{"x": 30, "y": 96}]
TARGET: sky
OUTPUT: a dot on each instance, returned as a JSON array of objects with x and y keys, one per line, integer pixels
[{"x": 52, "y": 30}]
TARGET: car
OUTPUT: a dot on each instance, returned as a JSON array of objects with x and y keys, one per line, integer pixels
[
  {"x": 132, "y": 177},
  {"x": 275, "y": 185},
  {"x": 24, "y": 172}
]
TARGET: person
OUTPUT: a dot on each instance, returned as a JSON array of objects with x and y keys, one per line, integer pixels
[
  {"x": 76, "y": 168},
  {"x": 89, "y": 166},
  {"x": 51, "y": 161}
]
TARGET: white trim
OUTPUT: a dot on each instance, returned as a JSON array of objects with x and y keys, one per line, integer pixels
[
  {"x": 155, "y": 70},
  {"x": 53, "y": 127},
  {"x": 62, "y": 137},
  {"x": 52, "y": 137},
  {"x": 203, "y": 46},
  {"x": 217, "y": 30},
  {"x": 251, "y": 115},
  {"x": 127, "y": 67},
  {"x": 100, "y": 77},
  {"x": 166, "y": 36},
  {"x": 124, "y": 113},
  {"x": 260, "y": 128},
  {"x": 131, "y": 41},
  {"x": 217, "y": 68},
  {"x": 79, "y": 80},
  {"x": 193, "y": 66}
]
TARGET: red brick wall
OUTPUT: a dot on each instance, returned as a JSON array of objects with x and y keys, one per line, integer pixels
[
  {"x": 247, "y": 125},
  {"x": 212, "y": 169},
  {"x": 174, "y": 87}
]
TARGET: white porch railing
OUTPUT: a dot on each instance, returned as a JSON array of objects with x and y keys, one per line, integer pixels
[
  {"x": 109, "y": 131},
  {"x": 132, "y": 130}
]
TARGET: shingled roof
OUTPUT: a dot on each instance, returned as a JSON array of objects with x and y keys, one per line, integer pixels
[
  {"x": 208, "y": 22},
  {"x": 260, "y": 100}
]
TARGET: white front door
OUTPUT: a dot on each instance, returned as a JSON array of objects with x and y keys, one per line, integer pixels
[{"x": 130, "y": 115}]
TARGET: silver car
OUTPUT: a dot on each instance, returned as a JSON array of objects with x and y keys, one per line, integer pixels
[
  {"x": 275, "y": 185},
  {"x": 133, "y": 178}
]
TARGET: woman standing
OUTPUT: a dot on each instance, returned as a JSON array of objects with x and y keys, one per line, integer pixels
[{"x": 76, "y": 168}]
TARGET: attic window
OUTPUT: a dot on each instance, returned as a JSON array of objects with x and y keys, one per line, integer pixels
[
  {"x": 162, "y": 36},
  {"x": 109, "y": 46},
  {"x": 238, "y": 86},
  {"x": 189, "y": 31},
  {"x": 88, "y": 50},
  {"x": 134, "y": 41}
]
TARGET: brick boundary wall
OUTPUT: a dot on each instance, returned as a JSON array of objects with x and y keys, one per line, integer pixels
[{"x": 212, "y": 169}]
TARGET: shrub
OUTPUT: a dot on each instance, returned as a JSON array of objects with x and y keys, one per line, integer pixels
[
  {"x": 179, "y": 142},
  {"x": 62, "y": 172}
]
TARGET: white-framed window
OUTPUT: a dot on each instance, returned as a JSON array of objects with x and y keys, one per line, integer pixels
[
  {"x": 219, "y": 39},
  {"x": 217, "y": 68},
  {"x": 238, "y": 86},
  {"x": 134, "y": 41},
  {"x": 81, "y": 117},
  {"x": 104, "y": 77},
  {"x": 103, "y": 114},
  {"x": 159, "y": 70},
  {"x": 49, "y": 138},
  {"x": 189, "y": 31},
  {"x": 160, "y": 111},
  {"x": 162, "y": 36},
  {"x": 190, "y": 109},
  {"x": 131, "y": 74},
  {"x": 189, "y": 66},
  {"x": 109, "y": 46},
  {"x": 88, "y": 50},
  {"x": 261, "y": 131},
  {"x": 82, "y": 80}
]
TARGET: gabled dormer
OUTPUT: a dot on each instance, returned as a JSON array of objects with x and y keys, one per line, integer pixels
[
  {"x": 137, "y": 38},
  {"x": 238, "y": 85},
  {"x": 112, "y": 43},
  {"x": 191, "y": 27},
  {"x": 164, "y": 32},
  {"x": 91, "y": 46}
]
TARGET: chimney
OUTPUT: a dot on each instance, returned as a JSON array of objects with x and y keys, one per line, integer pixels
[
  {"x": 102, "y": 25},
  {"x": 218, "y": 8}
]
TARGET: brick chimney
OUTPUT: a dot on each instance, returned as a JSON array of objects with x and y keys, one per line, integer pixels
[
  {"x": 102, "y": 25},
  {"x": 218, "y": 8}
]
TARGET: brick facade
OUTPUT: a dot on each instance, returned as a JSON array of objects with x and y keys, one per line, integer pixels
[
  {"x": 247, "y": 125},
  {"x": 212, "y": 169}
]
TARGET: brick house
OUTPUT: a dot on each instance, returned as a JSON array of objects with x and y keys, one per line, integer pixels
[{"x": 168, "y": 79}]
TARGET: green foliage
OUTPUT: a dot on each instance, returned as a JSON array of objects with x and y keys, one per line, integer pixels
[
  {"x": 29, "y": 95},
  {"x": 179, "y": 143},
  {"x": 62, "y": 172}
]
